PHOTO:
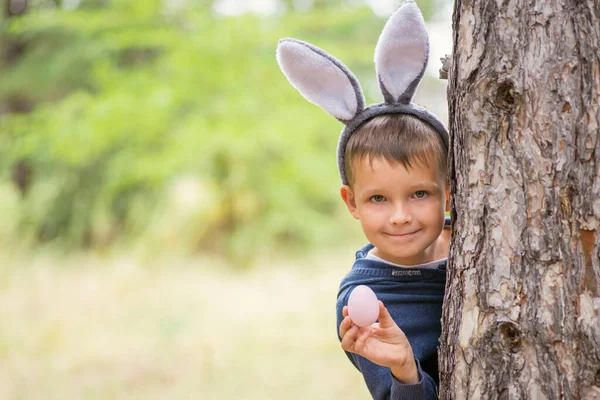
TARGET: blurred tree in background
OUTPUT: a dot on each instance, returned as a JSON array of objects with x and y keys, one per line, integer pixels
[{"x": 167, "y": 125}]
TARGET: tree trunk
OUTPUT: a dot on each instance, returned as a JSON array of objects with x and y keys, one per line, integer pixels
[{"x": 522, "y": 311}]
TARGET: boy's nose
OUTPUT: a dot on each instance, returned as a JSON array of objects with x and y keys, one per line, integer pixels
[{"x": 400, "y": 216}]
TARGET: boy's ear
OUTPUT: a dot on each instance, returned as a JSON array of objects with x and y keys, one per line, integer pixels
[
  {"x": 348, "y": 197},
  {"x": 447, "y": 199}
]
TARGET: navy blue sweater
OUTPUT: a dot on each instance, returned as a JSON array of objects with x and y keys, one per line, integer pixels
[{"x": 414, "y": 299}]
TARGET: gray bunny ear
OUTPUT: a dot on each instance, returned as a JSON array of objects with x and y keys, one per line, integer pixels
[
  {"x": 401, "y": 54},
  {"x": 321, "y": 78}
]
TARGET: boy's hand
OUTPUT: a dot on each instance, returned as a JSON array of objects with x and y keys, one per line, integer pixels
[{"x": 383, "y": 343}]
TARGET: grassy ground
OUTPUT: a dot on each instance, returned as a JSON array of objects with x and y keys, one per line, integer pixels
[{"x": 90, "y": 328}]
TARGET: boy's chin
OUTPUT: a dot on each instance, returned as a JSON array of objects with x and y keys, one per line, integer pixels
[
  {"x": 402, "y": 258},
  {"x": 410, "y": 253}
]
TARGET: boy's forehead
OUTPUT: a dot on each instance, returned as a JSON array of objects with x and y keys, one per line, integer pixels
[
  {"x": 374, "y": 164},
  {"x": 380, "y": 174}
]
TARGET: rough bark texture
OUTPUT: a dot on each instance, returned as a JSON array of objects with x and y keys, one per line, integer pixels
[{"x": 522, "y": 311}]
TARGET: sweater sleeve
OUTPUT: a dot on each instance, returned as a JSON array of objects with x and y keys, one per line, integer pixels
[{"x": 384, "y": 386}]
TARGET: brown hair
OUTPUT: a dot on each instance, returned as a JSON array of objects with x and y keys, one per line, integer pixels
[{"x": 396, "y": 138}]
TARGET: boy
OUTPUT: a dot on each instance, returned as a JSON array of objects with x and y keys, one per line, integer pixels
[
  {"x": 397, "y": 189},
  {"x": 392, "y": 163}
]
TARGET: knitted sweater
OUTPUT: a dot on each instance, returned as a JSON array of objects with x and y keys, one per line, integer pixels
[{"x": 414, "y": 299}]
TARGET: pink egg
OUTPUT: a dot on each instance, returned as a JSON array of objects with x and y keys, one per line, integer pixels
[{"x": 363, "y": 307}]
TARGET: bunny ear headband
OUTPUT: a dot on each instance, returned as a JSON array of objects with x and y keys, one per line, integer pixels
[{"x": 400, "y": 60}]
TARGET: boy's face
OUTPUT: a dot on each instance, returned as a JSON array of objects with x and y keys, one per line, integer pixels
[{"x": 401, "y": 211}]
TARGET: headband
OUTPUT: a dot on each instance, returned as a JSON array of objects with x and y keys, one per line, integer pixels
[{"x": 401, "y": 57}]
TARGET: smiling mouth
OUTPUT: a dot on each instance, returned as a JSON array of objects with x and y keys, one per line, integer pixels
[{"x": 401, "y": 235}]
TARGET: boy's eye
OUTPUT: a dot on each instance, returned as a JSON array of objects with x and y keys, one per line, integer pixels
[
  {"x": 377, "y": 198},
  {"x": 420, "y": 194}
]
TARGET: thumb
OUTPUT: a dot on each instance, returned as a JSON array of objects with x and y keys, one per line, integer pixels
[{"x": 385, "y": 319}]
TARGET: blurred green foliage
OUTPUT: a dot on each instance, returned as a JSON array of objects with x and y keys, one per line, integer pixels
[{"x": 172, "y": 128}]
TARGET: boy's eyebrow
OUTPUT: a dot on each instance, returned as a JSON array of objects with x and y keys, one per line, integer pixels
[
  {"x": 423, "y": 183},
  {"x": 431, "y": 185},
  {"x": 413, "y": 186}
]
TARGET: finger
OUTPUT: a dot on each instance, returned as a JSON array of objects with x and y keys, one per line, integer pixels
[
  {"x": 349, "y": 338},
  {"x": 346, "y": 315},
  {"x": 345, "y": 325},
  {"x": 385, "y": 319},
  {"x": 361, "y": 339}
]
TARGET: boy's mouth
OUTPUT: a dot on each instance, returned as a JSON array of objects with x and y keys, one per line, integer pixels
[{"x": 401, "y": 235}]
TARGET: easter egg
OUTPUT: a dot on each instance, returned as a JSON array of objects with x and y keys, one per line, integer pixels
[{"x": 363, "y": 307}]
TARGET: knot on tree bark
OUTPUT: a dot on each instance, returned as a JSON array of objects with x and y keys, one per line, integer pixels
[
  {"x": 507, "y": 97},
  {"x": 502, "y": 339},
  {"x": 510, "y": 336}
]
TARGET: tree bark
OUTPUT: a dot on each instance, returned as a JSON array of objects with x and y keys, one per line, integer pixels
[{"x": 522, "y": 310}]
